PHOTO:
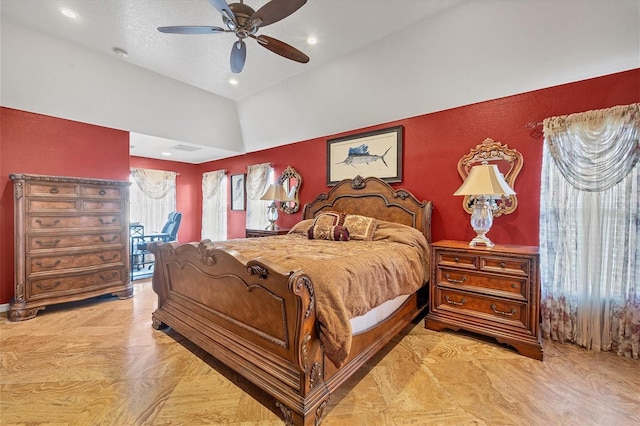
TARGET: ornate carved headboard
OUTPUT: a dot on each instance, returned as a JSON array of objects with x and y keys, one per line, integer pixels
[{"x": 374, "y": 198}]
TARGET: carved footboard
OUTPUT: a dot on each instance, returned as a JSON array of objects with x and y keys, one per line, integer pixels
[{"x": 252, "y": 315}]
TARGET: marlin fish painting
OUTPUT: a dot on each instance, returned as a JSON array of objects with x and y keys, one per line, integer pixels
[{"x": 360, "y": 154}]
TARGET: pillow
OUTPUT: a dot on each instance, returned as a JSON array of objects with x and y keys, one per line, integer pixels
[
  {"x": 360, "y": 227},
  {"x": 331, "y": 233},
  {"x": 329, "y": 219},
  {"x": 301, "y": 227}
]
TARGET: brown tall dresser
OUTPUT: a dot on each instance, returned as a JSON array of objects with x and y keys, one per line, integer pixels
[{"x": 71, "y": 241}]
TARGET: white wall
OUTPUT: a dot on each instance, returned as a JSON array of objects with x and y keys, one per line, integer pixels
[
  {"x": 476, "y": 51},
  {"x": 48, "y": 76}
]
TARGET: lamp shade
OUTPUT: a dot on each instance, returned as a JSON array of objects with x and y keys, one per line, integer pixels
[
  {"x": 275, "y": 192},
  {"x": 485, "y": 179}
]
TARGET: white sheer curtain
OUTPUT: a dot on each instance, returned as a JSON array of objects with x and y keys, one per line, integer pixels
[
  {"x": 152, "y": 197},
  {"x": 214, "y": 205},
  {"x": 259, "y": 177},
  {"x": 589, "y": 229}
]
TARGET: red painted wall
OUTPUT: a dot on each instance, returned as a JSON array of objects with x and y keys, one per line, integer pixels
[
  {"x": 39, "y": 144},
  {"x": 433, "y": 144},
  {"x": 188, "y": 193}
]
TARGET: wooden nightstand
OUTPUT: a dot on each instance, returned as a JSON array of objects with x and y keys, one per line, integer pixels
[
  {"x": 491, "y": 291},
  {"x": 253, "y": 233}
]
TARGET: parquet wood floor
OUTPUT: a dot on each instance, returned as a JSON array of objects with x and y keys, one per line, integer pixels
[{"x": 99, "y": 362}]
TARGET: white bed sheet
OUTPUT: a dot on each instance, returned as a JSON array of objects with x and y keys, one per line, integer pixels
[{"x": 376, "y": 315}]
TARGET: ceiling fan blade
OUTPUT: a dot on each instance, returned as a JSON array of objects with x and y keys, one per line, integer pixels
[
  {"x": 190, "y": 29},
  {"x": 274, "y": 11},
  {"x": 282, "y": 49},
  {"x": 223, "y": 8},
  {"x": 238, "y": 56}
]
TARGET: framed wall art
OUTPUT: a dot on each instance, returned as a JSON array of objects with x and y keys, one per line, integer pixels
[
  {"x": 238, "y": 192},
  {"x": 377, "y": 153}
]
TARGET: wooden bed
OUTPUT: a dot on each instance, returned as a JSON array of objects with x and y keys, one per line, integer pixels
[{"x": 275, "y": 343}]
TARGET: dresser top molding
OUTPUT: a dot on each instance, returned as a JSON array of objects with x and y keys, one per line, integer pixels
[{"x": 67, "y": 179}]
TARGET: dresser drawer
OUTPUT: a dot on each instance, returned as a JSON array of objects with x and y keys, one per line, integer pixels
[
  {"x": 520, "y": 267},
  {"x": 105, "y": 206},
  {"x": 61, "y": 285},
  {"x": 459, "y": 260},
  {"x": 52, "y": 189},
  {"x": 48, "y": 242},
  {"x": 509, "y": 312},
  {"x": 41, "y": 222},
  {"x": 53, "y": 205},
  {"x": 513, "y": 288},
  {"x": 101, "y": 192},
  {"x": 76, "y": 260}
]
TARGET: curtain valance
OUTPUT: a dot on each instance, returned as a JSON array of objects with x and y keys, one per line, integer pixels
[
  {"x": 154, "y": 183},
  {"x": 595, "y": 150}
]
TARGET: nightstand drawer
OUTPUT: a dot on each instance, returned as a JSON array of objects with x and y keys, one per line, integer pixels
[
  {"x": 505, "y": 265},
  {"x": 468, "y": 304},
  {"x": 460, "y": 260},
  {"x": 513, "y": 288}
]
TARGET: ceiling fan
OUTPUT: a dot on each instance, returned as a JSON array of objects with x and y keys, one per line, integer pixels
[{"x": 245, "y": 22}]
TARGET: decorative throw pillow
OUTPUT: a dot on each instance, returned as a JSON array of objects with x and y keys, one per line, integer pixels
[
  {"x": 360, "y": 227},
  {"x": 331, "y": 233},
  {"x": 301, "y": 227},
  {"x": 329, "y": 219}
]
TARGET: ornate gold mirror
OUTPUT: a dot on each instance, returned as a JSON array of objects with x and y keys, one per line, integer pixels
[
  {"x": 291, "y": 180},
  {"x": 509, "y": 162}
]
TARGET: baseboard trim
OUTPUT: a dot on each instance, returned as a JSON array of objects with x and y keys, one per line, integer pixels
[{"x": 4, "y": 307}]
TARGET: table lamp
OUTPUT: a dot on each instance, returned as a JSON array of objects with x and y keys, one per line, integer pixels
[
  {"x": 483, "y": 182},
  {"x": 274, "y": 193}
]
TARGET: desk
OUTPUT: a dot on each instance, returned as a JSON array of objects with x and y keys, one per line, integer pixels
[{"x": 141, "y": 257}]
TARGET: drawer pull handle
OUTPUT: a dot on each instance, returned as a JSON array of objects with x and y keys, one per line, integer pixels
[
  {"x": 502, "y": 265},
  {"x": 110, "y": 277},
  {"x": 456, "y": 259},
  {"x": 55, "y": 222},
  {"x": 454, "y": 281},
  {"x": 113, "y": 238},
  {"x": 514, "y": 285},
  {"x": 104, "y": 222},
  {"x": 513, "y": 311},
  {"x": 56, "y": 263},
  {"x": 115, "y": 256},
  {"x": 54, "y": 191},
  {"x": 48, "y": 243},
  {"x": 103, "y": 192},
  {"x": 48, "y": 287},
  {"x": 451, "y": 302}
]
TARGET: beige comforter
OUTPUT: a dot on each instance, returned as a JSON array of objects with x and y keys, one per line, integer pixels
[{"x": 349, "y": 277}]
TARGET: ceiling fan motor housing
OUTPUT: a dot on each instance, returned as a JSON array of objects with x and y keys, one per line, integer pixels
[{"x": 243, "y": 27}]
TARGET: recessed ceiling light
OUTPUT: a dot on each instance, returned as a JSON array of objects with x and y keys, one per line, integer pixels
[
  {"x": 311, "y": 40},
  {"x": 166, "y": 154},
  {"x": 233, "y": 82},
  {"x": 120, "y": 52},
  {"x": 70, "y": 13}
]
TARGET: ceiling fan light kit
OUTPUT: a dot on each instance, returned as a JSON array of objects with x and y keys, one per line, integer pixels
[{"x": 242, "y": 20}]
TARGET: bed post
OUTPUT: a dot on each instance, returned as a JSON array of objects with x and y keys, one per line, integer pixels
[{"x": 314, "y": 394}]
